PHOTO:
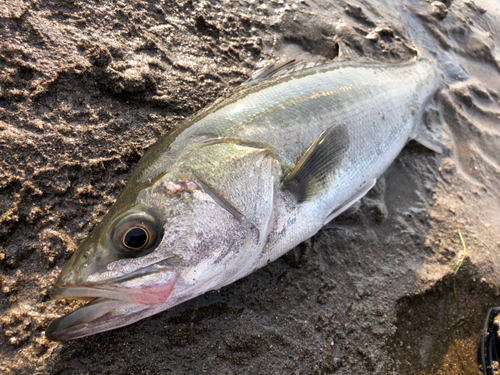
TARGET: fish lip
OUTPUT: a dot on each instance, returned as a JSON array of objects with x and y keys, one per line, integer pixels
[
  {"x": 116, "y": 302},
  {"x": 118, "y": 288}
]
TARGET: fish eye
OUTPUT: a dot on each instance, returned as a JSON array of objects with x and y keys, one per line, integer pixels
[{"x": 137, "y": 233}]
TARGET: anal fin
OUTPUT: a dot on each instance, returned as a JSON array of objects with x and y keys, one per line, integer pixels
[
  {"x": 360, "y": 193},
  {"x": 314, "y": 171},
  {"x": 425, "y": 140}
]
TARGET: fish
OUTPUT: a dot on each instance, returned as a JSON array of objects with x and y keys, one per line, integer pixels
[{"x": 242, "y": 182}]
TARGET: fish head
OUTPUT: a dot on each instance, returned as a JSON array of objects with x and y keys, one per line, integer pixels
[{"x": 158, "y": 246}]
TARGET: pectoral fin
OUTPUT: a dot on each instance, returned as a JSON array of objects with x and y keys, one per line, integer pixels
[{"x": 313, "y": 173}]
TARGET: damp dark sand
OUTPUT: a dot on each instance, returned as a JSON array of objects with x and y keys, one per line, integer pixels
[{"x": 87, "y": 86}]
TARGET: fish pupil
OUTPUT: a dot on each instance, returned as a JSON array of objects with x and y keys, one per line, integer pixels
[{"x": 136, "y": 238}]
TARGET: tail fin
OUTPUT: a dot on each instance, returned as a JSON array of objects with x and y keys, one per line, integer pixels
[
  {"x": 426, "y": 47},
  {"x": 449, "y": 68}
]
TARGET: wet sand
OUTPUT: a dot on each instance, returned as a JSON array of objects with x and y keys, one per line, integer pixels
[{"x": 87, "y": 87}]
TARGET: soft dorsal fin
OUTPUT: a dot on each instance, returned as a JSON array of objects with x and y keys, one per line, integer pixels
[
  {"x": 312, "y": 175},
  {"x": 271, "y": 71},
  {"x": 345, "y": 52}
]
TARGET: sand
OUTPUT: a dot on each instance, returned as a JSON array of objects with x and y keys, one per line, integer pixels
[{"x": 87, "y": 86}]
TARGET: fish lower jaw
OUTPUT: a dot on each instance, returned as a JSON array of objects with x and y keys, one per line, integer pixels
[
  {"x": 97, "y": 316},
  {"x": 111, "y": 306}
]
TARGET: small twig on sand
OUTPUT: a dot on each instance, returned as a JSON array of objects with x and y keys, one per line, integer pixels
[{"x": 461, "y": 238}]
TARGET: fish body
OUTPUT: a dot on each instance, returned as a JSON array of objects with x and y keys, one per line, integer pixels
[{"x": 241, "y": 183}]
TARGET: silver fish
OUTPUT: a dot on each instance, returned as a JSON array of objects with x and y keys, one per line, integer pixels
[{"x": 241, "y": 183}]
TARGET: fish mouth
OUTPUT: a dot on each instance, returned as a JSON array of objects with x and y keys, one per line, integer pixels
[{"x": 114, "y": 303}]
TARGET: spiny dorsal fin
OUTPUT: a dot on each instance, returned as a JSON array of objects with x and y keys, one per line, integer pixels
[
  {"x": 271, "y": 71},
  {"x": 312, "y": 175}
]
